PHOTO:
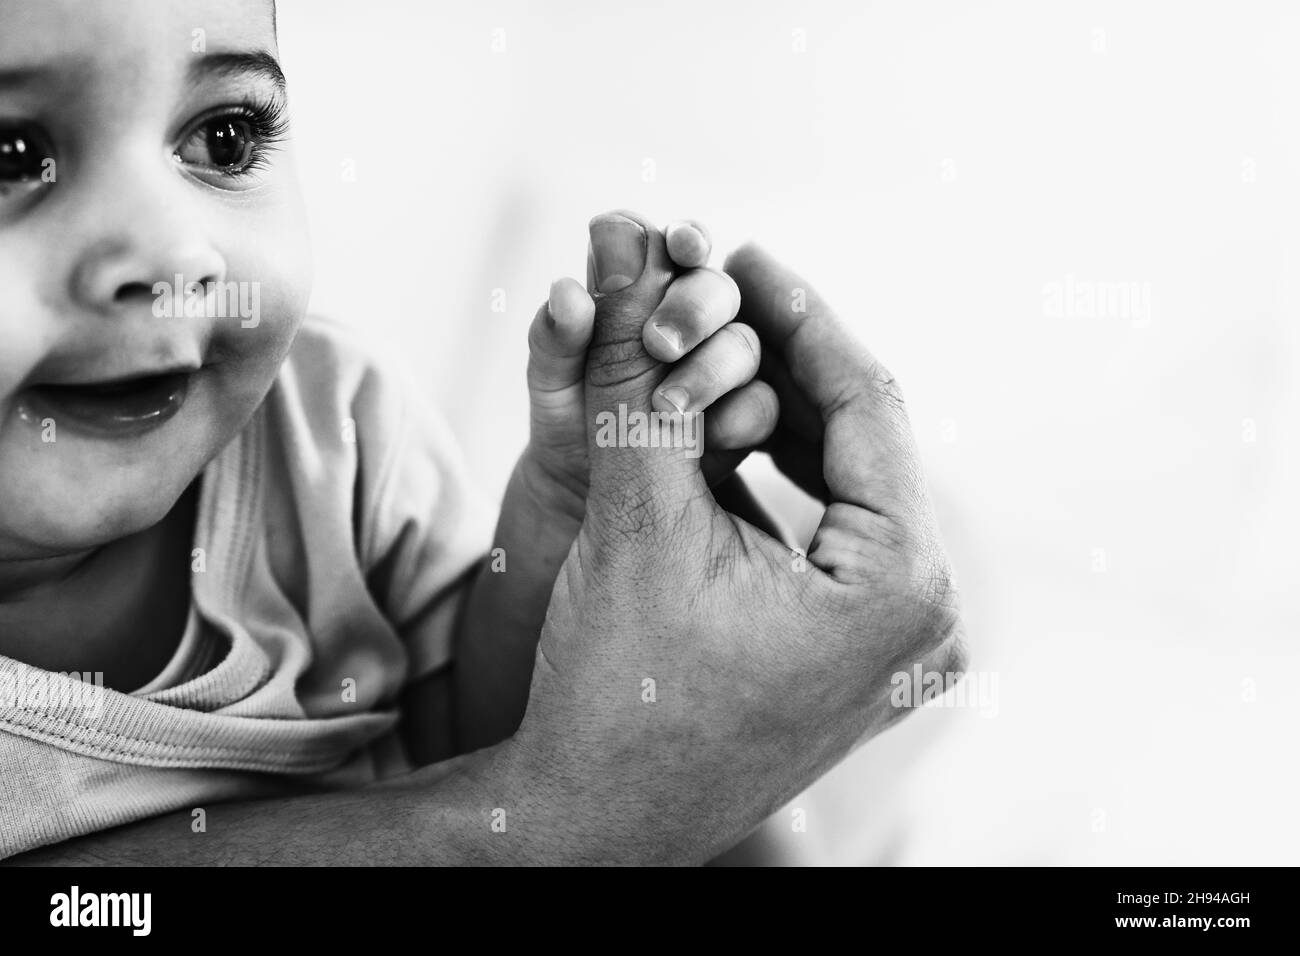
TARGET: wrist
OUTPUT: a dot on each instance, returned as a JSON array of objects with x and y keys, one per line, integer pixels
[
  {"x": 552, "y": 818},
  {"x": 586, "y": 806},
  {"x": 520, "y": 811}
]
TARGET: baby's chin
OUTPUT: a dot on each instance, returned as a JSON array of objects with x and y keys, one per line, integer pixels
[
  {"x": 84, "y": 490},
  {"x": 63, "y": 517},
  {"x": 77, "y": 529}
]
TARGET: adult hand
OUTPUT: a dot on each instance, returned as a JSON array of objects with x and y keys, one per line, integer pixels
[{"x": 694, "y": 674}]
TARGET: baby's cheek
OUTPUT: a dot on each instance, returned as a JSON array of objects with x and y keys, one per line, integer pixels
[
  {"x": 274, "y": 260},
  {"x": 268, "y": 256},
  {"x": 20, "y": 351},
  {"x": 25, "y": 335}
]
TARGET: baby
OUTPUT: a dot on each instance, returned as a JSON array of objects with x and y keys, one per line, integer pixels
[{"x": 256, "y": 535}]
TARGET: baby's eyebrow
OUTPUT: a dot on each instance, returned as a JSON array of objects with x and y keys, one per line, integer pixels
[
  {"x": 24, "y": 76},
  {"x": 235, "y": 65}
]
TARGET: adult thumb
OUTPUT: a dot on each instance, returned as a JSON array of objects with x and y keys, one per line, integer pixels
[{"x": 638, "y": 457}]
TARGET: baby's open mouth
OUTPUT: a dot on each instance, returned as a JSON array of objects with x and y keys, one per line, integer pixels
[{"x": 114, "y": 409}]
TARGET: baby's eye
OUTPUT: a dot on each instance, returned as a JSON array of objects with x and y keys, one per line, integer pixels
[
  {"x": 24, "y": 155},
  {"x": 225, "y": 143}
]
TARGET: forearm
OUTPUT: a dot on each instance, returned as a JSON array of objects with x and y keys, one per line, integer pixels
[
  {"x": 437, "y": 815},
  {"x": 501, "y": 806},
  {"x": 504, "y": 612}
]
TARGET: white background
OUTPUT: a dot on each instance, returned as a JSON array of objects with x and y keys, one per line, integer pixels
[{"x": 1117, "y": 490}]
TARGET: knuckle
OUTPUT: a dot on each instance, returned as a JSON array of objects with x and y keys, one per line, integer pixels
[
  {"x": 709, "y": 375},
  {"x": 616, "y": 356},
  {"x": 930, "y": 595},
  {"x": 909, "y": 597},
  {"x": 537, "y": 378},
  {"x": 540, "y": 376},
  {"x": 954, "y": 656},
  {"x": 705, "y": 299},
  {"x": 689, "y": 305},
  {"x": 623, "y": 365},
  {"x": 549, "y": 379},
  {"x": 886, "y": 386}
]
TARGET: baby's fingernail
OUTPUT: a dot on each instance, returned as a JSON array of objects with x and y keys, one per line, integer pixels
[
  {"x": 558, "y": 308},
  {"x": 677, "y": 397},
  {"x": 617, "y": 253},
  {"x": 669, "y": 335}
]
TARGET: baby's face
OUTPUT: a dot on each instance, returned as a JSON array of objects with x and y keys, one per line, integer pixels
[{"x": 140, "y": 141}]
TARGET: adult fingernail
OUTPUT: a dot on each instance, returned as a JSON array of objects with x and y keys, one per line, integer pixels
[
  {"x": 677, "y": 397},
  {"x": 670, "y": 335},
  {"x": 617, "y": 253}
]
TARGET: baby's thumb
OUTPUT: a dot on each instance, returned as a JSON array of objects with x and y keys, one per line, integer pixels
[{"x": 638, "y": 456}]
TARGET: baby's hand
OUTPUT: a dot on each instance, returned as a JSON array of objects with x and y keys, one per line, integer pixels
[{"x": 715, "y": 360}]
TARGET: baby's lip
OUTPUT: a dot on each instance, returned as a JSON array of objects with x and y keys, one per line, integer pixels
[
  {"x": 111, "y": 408},
  {"x": 114, "y": 381}
]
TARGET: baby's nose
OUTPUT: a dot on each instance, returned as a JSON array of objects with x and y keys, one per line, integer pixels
[
  {"x": 137, "y": 224},
  {"x": 118, "y": 272}
]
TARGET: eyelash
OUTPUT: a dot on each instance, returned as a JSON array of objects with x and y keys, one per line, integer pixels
[
  {"x": 265, "y": 120},
  {"x": 268, "y": 123}
]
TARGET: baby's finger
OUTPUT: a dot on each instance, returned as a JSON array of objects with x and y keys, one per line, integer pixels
[
  {"x": 689, "y": 243},
  {"x": 695, "y": 306},
  {"x": 558, "y": 339},
  {"x": 742, "y": 419},
  {"x": 723, "y": 363}
]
